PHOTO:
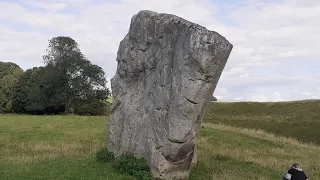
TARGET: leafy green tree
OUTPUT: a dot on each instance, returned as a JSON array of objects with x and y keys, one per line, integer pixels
[
  {"x": 74, "y": 79},
  {"x": 50, "y": 83},
  {"x": 9, "y": 75},
  {"x": 27, "y": 95},
  {"x": 68, "y": 82},
  {"x": 32, "y": 94}
]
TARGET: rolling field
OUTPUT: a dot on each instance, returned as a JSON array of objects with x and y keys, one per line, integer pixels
[
  {"x": 229, "y": 146},
  {"x": 297, "y": 119}
]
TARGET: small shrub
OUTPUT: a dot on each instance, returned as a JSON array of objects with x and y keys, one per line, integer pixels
[
  {"x": 90, "y": 108},
  {"x": 133, "y": 166},
  {"x": 104, "y": 155}
]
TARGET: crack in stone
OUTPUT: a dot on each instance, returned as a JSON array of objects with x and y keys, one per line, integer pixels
[
  {"x": 177, "y": 141},
  {"x": 191, "y": 101}
]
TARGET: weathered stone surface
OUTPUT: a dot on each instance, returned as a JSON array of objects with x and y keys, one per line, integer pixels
[
  {"x": 167, "y": 71},
  {"x": 212, "y": 99}
]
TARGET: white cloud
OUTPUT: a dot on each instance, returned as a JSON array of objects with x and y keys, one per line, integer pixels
[
  {"x": 261, "y": 97},
  {"x": 241, "y": 98},
  {"x": 235, "y": 72},
  {"x": 307, "y": 3},
  {"x": 22, "y": 47},
  {"x": 48, "y": 6},
  {"x": 275, "y": 97},
  {"x": 221, "y": 94},
  {"x": 258, "y": 98},
  {"x": 277, "y": 31},
  {"x": 219, "y": 98},
  {"x": 265, "y": 35},
  {"x": 309, "y": 95},
  {"x": 268, "y": 80}
]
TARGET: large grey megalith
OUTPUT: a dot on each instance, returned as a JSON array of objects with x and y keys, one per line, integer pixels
[{"x": 168, "y": 69}]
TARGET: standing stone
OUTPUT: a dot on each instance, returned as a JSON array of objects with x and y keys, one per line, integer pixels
[{"x": 167, "y": 71}]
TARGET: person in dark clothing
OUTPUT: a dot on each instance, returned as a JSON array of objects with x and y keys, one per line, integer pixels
[{"x": 295, "y": 173}]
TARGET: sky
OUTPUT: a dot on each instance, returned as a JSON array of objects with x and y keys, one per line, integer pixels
[{"x": 276, "y": 42}]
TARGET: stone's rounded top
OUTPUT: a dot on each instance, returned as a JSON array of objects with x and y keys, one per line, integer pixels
[
  {"x": 148, "y": 12},
  {"x": 175, "y": 19}
]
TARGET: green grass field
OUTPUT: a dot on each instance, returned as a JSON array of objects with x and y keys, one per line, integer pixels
[
  {"x": 238, "y": 141},
  {"x": 299, "y": 119}
]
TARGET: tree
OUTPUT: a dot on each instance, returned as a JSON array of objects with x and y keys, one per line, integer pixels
[
  {"x": 78, "y": 79},
  {"x": 27, "y": 96},
  {"x": 50, "y": 83},
  {"x": 32, "y": 93},
  {"x": 9, "y": 75}
]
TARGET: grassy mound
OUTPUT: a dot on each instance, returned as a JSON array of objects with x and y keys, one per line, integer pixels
[{"x": 297, "y": 119}]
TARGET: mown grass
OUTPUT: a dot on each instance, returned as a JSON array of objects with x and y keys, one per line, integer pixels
[
  {"x": 70, "y": 168},
  {"x": 53, "y": 147},
  {"x": 299, "y": 119},
  {"x": 64, "y": 147},
  {"x": 226, "y": 152}
]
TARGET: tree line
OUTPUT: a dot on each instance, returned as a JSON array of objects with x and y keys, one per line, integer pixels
[{"x": 67, "y": 83}]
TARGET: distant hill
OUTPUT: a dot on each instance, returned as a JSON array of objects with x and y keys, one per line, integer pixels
[{"x": 297, "y": 119}]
